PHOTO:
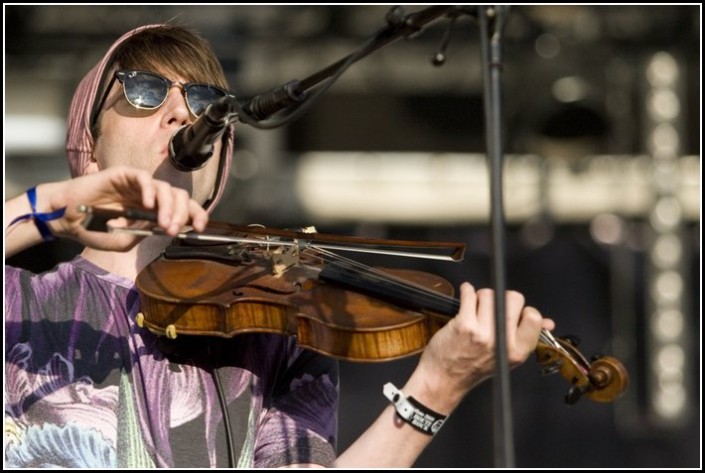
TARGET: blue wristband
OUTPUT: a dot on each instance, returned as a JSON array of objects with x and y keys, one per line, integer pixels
[{"x": 40, "y": 218}]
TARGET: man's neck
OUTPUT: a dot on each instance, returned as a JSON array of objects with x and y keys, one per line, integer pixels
[{"x": 128, "y": 264}]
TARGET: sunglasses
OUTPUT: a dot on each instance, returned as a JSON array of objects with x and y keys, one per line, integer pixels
[{"x": 148, "y": 91}]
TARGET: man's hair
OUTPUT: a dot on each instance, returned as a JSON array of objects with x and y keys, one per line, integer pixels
[
  {"x": 167, "y": 50},
  {"x": 171, "y": 49}
]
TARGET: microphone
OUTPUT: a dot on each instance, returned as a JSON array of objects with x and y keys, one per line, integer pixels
[
  {"x": 269, "y": 103},
  {"x": 192, "y": 145}
]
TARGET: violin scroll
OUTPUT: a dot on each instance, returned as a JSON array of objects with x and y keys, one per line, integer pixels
[{"x": 603, "y": 380}]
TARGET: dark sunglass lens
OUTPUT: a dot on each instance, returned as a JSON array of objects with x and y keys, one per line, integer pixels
[
  {"x": 199, "y": 96},
  {"x": 145, "y": 90}
]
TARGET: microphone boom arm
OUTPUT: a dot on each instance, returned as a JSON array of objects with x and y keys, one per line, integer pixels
[{"x": 293, "y": 92}]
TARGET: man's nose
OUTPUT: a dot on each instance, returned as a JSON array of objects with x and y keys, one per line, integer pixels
[{"x": 176, "y": 104}]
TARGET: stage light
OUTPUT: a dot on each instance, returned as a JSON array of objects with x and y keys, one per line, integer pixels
[
  {"x": 662, "y": 70},
  {"x": 547, "y": 46},
  {"x": 667, "y": 325},
  {"x": 667, "y": 287},
  {"x": 607, "y": 229},
  {"x": 664, "y": 140},
  {"x": 667, "y": 335},
  {"x": 667, "y": 251}
]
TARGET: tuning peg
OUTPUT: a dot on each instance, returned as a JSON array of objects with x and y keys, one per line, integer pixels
[
  {"x": 574, "y": 394},
  {"x": 572, "y": 339}
]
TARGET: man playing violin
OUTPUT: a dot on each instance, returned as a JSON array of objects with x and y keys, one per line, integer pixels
[{"x": 87, "y": 387}]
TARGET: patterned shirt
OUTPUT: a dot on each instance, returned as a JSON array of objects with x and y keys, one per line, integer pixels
[{"x": 85, "y": 386}]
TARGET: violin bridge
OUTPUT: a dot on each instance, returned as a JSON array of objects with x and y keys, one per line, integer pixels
[{"x": 284, "y": 258}]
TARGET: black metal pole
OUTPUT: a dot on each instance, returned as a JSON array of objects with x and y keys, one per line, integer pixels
[{"x": 491, "y": 22}]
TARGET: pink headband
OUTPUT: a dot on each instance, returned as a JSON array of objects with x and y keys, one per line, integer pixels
[{"x": 79, "y": 141}]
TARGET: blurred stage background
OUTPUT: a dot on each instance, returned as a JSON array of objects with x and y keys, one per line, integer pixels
[{"x": 602, "y": 187}]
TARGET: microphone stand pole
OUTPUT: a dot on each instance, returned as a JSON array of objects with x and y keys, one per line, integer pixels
[{"x": 492, "y": 20}]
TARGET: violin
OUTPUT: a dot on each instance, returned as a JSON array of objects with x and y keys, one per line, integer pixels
[{"x": 236, "y": 280}]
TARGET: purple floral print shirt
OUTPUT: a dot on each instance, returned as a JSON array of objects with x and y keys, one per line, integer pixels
[{"x": 86, "y": 387}]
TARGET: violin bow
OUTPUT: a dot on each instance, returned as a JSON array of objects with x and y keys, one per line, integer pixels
[{"x": 97, "y": 220}]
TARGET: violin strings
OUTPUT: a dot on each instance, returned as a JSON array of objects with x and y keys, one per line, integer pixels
[
  {"x": 368, "y": 270},
  {"x": 376, "y": 274},
  {"x": 325, "y": 255},
  {"x": 548, "y": 338},
  {"x": 373, "y": 274},
  {"x": 545, "y": 336}
]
